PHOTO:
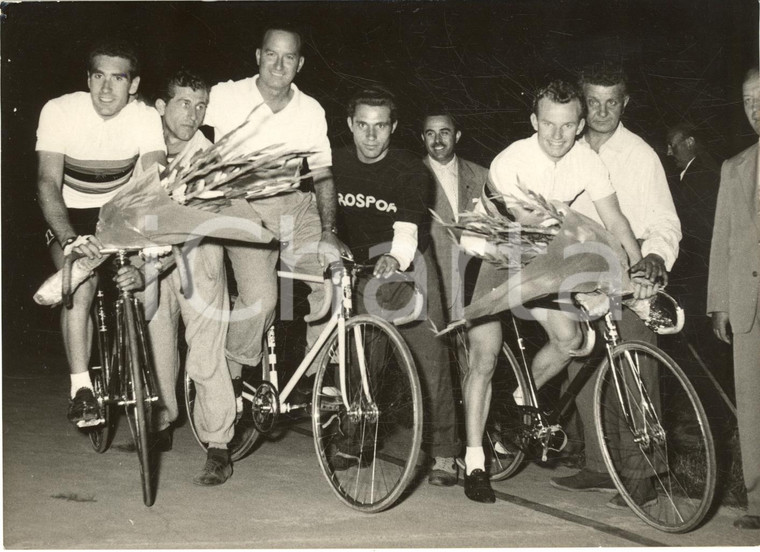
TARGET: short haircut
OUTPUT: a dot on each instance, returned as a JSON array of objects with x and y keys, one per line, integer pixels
[
  {"x": 685, "y": 129},
  {"x": 181, "y": 78},
  {"x": 603, "y": 74},
  {"x": 376, "y": 96},
  {"x": 559, "y": 91},
  {"x": 285, "y": 26},
  {"x": 438, "y": 111},
  {"x": 115, "y": 48},
  {"x": 752, "y": 73}
]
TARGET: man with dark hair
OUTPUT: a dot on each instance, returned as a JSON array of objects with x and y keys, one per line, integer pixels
[
  {"x": 551, "y": 164},
  {"x": 383, "y": 198},
  {"x": 734, "y": 289},
  {"x": 305, "y": 224},
  {"x": 182, "y": 105},
  {"x": 639, "y": 181},
  {"x": 695, "y": 192},
  {"x": 459, "y": 185},
  {"x": 88, "y": 146},
  {"x": 119, "y": 49}
]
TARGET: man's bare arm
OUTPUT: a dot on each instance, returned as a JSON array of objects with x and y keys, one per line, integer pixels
[
  {"x": 49, "y": 183},
  {"x": 327, "y": 205}
]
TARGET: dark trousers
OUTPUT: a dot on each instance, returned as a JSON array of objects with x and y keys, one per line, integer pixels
[
  {"x": 631, "y": 328},
  {"x": 430, "y": 354}
]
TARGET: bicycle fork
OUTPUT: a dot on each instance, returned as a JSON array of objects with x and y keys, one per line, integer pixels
[{"x": 639, "y": 427}]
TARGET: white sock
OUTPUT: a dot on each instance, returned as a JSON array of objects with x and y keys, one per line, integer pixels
[
  {"x": 78, "y": 381},
  {"x": 474, "y": 459}
]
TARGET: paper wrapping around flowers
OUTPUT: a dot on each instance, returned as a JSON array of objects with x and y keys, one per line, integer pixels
[
  {"x": 556, "y": 270},
  {"x": 142, "y": 214}
]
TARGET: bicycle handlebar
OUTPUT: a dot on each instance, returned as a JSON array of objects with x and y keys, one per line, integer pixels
[
  {"x": 326, "y": 303},
  {"x": 151, "y": 285}
]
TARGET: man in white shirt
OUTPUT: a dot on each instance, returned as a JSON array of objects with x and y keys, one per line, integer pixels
[
  {"x": 88, "y": 146},
  {"x": 182, "y": 105},
  {"x": 642, "y": 190},
  {"x": 459, "y": 185},
  {"x": 305, "y": 224},
  {"x": 549, "y": 163}
]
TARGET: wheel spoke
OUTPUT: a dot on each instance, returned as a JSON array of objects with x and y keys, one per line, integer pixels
[
  {"x": 655, "y": 437},
  {"x": 368, "y": 451}
]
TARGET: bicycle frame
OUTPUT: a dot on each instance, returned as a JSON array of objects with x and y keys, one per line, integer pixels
[
  {"x": 340, "y": 312},
  {"x": 341, "y": 306},
  {"x": 546, "y": 420}
]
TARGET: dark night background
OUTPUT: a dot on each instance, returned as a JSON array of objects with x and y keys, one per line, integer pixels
[{"x": 685, "y": 60}]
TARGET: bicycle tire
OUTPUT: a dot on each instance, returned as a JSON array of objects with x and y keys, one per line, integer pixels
[
  {"x": 100, "y": 436},
  {"x": 246, "y": 435},
  {"x": 670, "y": 448},
  {"x": 100, "y": 376},
  {"x": 370, "y": 457},
  {"x": 138, "y": 408},
  {"x": 503, "y": 441}
]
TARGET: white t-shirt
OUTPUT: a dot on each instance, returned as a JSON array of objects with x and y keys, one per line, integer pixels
[
  {"x": 99, "y": 154},
  {"x": 525, "y": 162},
  {"x": 300, "y": 125}
]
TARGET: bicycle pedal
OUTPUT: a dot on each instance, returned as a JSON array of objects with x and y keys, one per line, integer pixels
[{"x": 90, "y": 423}]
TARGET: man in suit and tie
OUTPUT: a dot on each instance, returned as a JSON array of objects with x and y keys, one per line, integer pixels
[
  {"x": 695, "y": 192},
  {"x": 459, "y": 184},
  {"x": 733, "y": 290}
]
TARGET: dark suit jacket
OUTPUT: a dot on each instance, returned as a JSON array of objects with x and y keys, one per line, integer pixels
[
  {"x": 694, "y": 197},
  {"x": 734, "y": 281},
  {"x": 451, "y": 261}
]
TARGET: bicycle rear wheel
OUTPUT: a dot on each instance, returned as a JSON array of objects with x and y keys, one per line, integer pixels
[
  {"x": 368, "y": 452},
  {"x": 246, "y": 434},
  {"x": 100, "y": 435},
  {"x": 138, "y": 408},
  {"x": 662, "y": 458},
  {"x": 503, "y": 438},
  {"x": 100, "y": 376}
]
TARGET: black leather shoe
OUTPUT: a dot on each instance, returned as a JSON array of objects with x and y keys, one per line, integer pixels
[
  {"x": 444, "y": 472},
  {"x": 747, "y": 522},
  {"x": 217, "y": 470},
  {"x": 477, "y": 487},
  {"x": 84, "y": 410}
]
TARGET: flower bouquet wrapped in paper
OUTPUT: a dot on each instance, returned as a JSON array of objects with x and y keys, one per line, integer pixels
[
  {"x": 204, "y": 196},
  {"x": 564, "y": 252}
]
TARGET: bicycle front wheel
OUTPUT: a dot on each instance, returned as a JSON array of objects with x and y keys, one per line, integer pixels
[
  {"x": 656, "y": 443},
  {"x": 138, "y": 408},
  {"x": 368, "y": 451}
]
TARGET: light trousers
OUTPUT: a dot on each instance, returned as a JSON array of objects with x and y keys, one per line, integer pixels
[
  {"x": 293, "y": 218},
  {"x": 205, "y": 314},
  {"x": 747, "y": 382}
]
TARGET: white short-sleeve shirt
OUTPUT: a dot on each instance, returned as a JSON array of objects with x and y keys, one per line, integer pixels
[
  {"x": 525, "y": 162},
  {"x": 300, "y": 125},
  {"x": 99, "y": 154}
]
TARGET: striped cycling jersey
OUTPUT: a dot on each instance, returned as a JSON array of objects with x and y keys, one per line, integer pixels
[
  {"x": 97, "y": 177},
  {"x": 99, "y": 155}
]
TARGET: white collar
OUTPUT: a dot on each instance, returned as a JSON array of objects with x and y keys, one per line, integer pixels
[{"x": 683, "y": 172}]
